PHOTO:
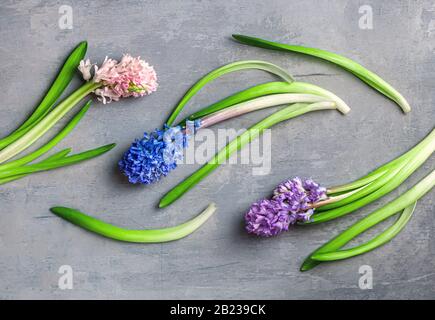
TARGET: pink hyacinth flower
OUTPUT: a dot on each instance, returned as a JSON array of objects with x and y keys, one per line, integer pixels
[{"x": 131, "y": 77}]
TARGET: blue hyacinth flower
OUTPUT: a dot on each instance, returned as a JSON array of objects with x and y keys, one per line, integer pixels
[{"x": 156, "y": 154}]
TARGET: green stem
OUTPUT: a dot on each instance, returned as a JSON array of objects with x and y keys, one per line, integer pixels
[
  {"x": 236, "y": 144},
  {"x": 236, "y": 66},
  {"x": 355, "y": 68},
  {"x": 57, "y": 88},
  {"x": 333, "y": 199},
  {"x": 52, "y": 143},
  {"x": 398, "y": 204},
  {"x": 46, "y": 123},
  {"x": 139, "y": 236},
  {"x": 374, "y": 243}
]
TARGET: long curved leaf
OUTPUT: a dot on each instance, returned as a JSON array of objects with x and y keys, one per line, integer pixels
[
  {"x": 58, "y": 155},
  {"x": 57, "y": 163},
  {"x": 235, "y": 66},
  {"x": 355, "y": 68},
  {"x": 269, "y": 89},
  {"x": 398, "y": 204},
  {"x": 52, "y": 143},
  {"x": 379, "y": 172},
  {"x": 381, "y": 239},
  {"x": 47, "y": 122},
  {"x": 60, "y": 83},
  {"x": 139, "y": 236},
  {"x": 392, "y": 180}
]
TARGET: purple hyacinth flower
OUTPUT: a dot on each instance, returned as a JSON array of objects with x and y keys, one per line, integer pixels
[
  {"x": 293, "y": 193},
  {"x": 291, "y": 203},
  {"x": 314, "y": 191},
  {"x": 299, "y": 194},
  {"x": 267, "y": 218}
]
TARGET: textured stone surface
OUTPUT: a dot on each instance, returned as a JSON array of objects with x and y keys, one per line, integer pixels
[{"x": 184, "y": 40}]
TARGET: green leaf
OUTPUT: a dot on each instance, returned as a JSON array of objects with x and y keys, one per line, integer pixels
[
  {"x": 397, "y": 205},
  {"x": 355, "y": 68},
  {"x": 242, "y": 96},
  {"x": 58, "y": 155},
  {"x": 374, "y": 243},
  {"x": 57, "y": 163},
  {"x": 139, "y": 236},
  {"x": 368, "y": 189},
  {"x": 377, "y": 178},
  {"x": 269, "y": 88},
  {"x": 236, "y": 144},
  {"x": 256, "y": 104},
  {"x": 381, "y": 171},
  {"x": 47, "y": 122},
  {"x": 52, "y": 143},
  {"x": 387, "y": 183},
  {"x": 60, "y": 83},
  {"x": 236, "y": 66}
]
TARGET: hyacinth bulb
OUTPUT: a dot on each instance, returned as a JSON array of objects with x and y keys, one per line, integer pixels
[
  {"x": 292, "y": 202},
  {"x": 156, "y": 154}
]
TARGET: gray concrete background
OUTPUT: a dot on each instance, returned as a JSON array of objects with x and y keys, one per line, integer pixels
[{"x": 184, "y": 40}]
